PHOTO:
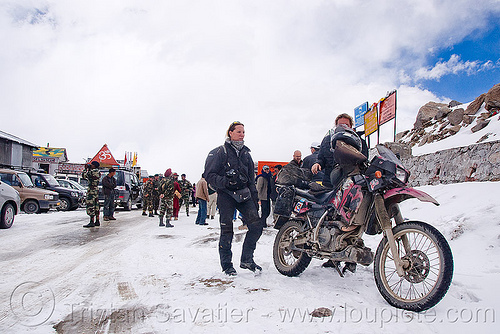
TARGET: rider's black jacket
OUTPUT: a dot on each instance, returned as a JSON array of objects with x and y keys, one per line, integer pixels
[
  {"x": 225, "y": 158},
  {"x": 325, "y": 155}
]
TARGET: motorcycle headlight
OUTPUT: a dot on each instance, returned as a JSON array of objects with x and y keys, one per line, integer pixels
[
  {"x": 401, "y": 175},
  {"x": 48, "y": 197}
]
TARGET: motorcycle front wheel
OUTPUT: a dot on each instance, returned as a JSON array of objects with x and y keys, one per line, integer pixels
[
  {"x": 428, "y": 267},
  {"x": 287, "y": 261}
]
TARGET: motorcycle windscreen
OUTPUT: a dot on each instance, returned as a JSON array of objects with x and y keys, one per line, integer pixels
[{"x": 345, "y": 154}]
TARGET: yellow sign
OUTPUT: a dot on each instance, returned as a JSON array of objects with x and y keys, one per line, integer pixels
[{"x": 371, "y": 122}]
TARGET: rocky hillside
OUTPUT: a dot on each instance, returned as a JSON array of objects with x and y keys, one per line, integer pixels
[
  {"x": 437, "y": 121},
  {"x": 443, "y": 146}
]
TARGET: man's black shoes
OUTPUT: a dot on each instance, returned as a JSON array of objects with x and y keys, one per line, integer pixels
[
  {"x": 250, "y": 266},
  {"x": 230, "y": 271}
]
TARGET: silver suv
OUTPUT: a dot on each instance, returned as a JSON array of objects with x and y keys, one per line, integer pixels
[{"x": 10, "y": 202}]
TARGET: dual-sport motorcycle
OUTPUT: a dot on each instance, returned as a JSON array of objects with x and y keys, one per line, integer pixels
[{"x": 413, "y": 264}]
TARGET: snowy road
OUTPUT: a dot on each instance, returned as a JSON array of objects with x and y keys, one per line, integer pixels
[{"x": 129, "y": 275}]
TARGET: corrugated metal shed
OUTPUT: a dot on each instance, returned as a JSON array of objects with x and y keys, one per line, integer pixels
[{"x": 13, "y": 138}]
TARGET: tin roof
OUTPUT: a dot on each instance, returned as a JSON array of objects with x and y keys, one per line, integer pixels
[{"x": 13, "y": 138}]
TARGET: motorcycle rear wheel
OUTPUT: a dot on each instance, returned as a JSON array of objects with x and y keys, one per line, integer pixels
[
  {"x": 287, "y": 261},
  {"x": 428, "y": 272}
]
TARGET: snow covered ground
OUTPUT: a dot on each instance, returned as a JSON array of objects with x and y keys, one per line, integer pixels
[{"x": 131, "y": 276}]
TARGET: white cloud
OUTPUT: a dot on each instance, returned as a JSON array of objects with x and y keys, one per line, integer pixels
[
  {"x": 165, "y": 78},
  {"x": 453, "y": 66}
]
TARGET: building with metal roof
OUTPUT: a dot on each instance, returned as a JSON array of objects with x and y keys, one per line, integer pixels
[{"x": 15, "y": 152}]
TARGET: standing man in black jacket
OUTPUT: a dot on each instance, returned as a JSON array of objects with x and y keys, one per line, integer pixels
[
  {"x": 311, "y": 159},
  {"x": 108, "y": 188},
  {"x": 229, "y": 169}
]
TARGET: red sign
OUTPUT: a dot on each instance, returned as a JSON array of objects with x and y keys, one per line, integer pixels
[
  {"x": 388, "y": 108},
  {"x": 105, "y": 158}
]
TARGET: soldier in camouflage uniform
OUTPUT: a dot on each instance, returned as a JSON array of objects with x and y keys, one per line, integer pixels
[
  {"x": 148, "y": 197},
  {"x": 167, "y": 198},
  {"x": 186, "y": 188},
  {"x": 92, "y": 175},
  {"x": 156, "y": 193}
]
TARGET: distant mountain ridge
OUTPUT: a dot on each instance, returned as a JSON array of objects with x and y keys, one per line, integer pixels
[{"x": 452, "y": 143}]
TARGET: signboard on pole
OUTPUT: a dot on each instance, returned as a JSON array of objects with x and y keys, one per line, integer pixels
[
  {"x": 370, "y": 119},
  {"x": 359, "y": 112},
  {"x": 388, "y": 108},
  {"x": 105, "y": 158},
  {"x": 70, "y": 168}
]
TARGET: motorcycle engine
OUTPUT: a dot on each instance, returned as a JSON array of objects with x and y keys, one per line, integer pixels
[
  {"x": 329, "y": 237},
  {"x": 324, "y": 237}
]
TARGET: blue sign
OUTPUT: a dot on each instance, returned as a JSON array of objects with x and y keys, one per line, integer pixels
[{"x": 359, "y": 112}]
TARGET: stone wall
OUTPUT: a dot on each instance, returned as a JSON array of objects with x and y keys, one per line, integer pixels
[{"x": 479, "y": 162}]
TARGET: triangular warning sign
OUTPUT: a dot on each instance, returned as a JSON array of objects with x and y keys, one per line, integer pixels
[{"x": 105, "y": 158}]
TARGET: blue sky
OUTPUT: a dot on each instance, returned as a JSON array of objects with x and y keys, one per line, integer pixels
[{"x": 479, "y": 46}]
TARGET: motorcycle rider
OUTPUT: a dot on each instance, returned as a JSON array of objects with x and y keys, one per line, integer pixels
[
  {"x": 334, "y": 172},
  {"x": 343, "y": 131}
]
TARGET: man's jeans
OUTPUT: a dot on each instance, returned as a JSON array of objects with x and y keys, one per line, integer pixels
[
  {"x": 202, "y": 211},
  {"x": 109, "y": 205},
  {"x": 265, "y": 210}
]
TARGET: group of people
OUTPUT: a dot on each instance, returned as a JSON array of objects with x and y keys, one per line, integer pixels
[
  {"x": 229, "y": 181},
  {"x": 168, "y": 194},
  {"x": 229, "y": 169}
]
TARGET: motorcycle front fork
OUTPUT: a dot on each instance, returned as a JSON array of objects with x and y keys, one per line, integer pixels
[{"x": 385, "y": 221}]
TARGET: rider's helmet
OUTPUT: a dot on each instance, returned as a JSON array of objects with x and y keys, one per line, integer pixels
[{"x": 347, "y": 135}]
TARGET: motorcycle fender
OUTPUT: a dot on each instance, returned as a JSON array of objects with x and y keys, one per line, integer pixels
[
  {"x": 279, "y": 221},
  {"x": 400, "y": 194}
]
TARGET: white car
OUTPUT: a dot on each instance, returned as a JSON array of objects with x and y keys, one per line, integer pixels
[
  {"x": 70, "y": 184},
  {"x": 10, "y": 203}
]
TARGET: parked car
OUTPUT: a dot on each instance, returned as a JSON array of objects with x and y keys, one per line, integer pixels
[
  {"x": 128, "y": 189},
  {"x": 33, "y": 200},
  {"x": 10, "y": 203},
  {"x": 70, "y": 184},
  {"x": 70, "y": 198},
  {"x": 78, "y": 178}
]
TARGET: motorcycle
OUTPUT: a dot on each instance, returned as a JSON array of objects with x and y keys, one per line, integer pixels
[{"x": 413, "y": 264}]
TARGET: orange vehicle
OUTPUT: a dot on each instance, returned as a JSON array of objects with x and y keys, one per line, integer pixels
[{"x": 271, "y": 165}]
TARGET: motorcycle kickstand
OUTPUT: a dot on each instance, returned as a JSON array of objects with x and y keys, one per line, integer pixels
[{"x": 337, "y": 267}]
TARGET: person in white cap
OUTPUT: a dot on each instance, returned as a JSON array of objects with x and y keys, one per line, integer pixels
[{"x": 311, "y": 159}]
